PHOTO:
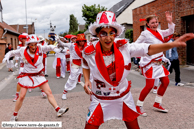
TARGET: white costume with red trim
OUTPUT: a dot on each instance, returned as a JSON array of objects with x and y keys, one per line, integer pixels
[
  {"x": 149, "y": 69},
  {"x": 76, "y": 68},
  {"x": 20, "y": 58},
  {"x": 60, "y": 62},
  {"x": 31, "y": 76},
  {"x": 111, "y": 99}
]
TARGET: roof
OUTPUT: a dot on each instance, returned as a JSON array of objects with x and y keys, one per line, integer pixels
[
  {"x": 81, "y": 27},
  {"x": 8, "y": 27},
  {"x": 22, "y": 29},
  {"x": 121, "y": 6}
]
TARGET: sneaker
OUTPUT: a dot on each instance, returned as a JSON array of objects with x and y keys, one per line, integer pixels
[
  {"x": 62, "y": 76},
  {"x": 62, "y": 111},
  {"x": 16, "y": 97},
  {"x": 29, "y": 90},
  {"x": 14, "y": 118},
  {"x": 158, "y": 107},
  {"x": 141, "y": 111},
  {"x": 179, "y": 84},
  {"x": 58, "y": 77},
  {"x": 155, "y": 91},
  {"x": 43, "y": 95},
  {"x": 81, "y": 83},
  {"x": 46, "y": 75},
  {"x": 64, "y": 96}
]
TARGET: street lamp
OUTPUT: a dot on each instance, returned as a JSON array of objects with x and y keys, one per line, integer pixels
[{"x": 26, "y": 18}]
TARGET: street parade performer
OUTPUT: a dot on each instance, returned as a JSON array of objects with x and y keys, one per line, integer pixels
[
  {"x": 75, "y": 56},
  {"x": 151, "y": 66},
  {"x": 32, "y": 76},
  {"x": 110, "y": 64}
]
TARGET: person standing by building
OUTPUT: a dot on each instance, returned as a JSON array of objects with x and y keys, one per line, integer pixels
[
  {"x": 172, "y": 55},
  {"x": 10, "y": 65}
]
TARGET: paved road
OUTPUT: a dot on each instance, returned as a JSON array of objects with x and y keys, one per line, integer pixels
[{"x": 178, "y": 100}]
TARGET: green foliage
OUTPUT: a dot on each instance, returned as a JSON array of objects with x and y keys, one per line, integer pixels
[
  {"x": 73, "y": 24},
  {"x": 129, "y": 35},
  {"x": 89, "y": 13},
  {"x": 77, "y": 32}
]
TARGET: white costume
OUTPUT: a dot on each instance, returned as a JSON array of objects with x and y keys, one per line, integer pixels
[
  {"x": 76, "y": 69},
  {"x": 44, "y": 58},
  {"x": 31, "y": 76},
  {"x": 149, "y": 69},
  {"x": 60, "y": 61},
  {"x": 111, "y": 99}
]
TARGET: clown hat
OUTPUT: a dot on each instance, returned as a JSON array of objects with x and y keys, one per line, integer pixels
[
  {"x": 23, "y": 36},
  {"x": 106, "y": 19},
  {"x": 32, "y": 39},
  {"x": 80, "y": 37}
]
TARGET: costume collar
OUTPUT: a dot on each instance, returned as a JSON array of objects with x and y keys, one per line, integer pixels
[
  {"x": 156, "y": 34},
  {"x": 78, "y": 51},
  {"x": 29, "y": 58},
  {"x": 119, "y": 64}
]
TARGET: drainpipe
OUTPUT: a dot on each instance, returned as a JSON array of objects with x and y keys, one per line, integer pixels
[{"x": 4, "y": 33}]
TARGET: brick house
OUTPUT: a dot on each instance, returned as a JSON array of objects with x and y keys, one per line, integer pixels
[
  {"x": 7, "y": 35},
  {"x": 21, "y": 28},
  {"x": 183, "y": 17}
]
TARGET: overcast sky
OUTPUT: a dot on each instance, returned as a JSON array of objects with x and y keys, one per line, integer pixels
[{"x": 56, "y": 11}]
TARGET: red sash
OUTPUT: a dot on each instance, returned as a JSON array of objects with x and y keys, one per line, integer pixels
[
  {"x": 78, "y": 51},
  {"x": 156, "y": 34},
  {"x": 31, "y": 60}
]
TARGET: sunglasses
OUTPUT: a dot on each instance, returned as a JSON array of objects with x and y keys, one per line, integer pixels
[{"x": 105, "y": 34}]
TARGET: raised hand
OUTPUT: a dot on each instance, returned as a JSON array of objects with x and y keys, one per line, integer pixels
[{"x": 168, "y": 17}]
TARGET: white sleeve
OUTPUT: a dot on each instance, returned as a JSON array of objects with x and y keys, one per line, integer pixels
[
  {"x": 137, "y": 50},
  {"x": 141, "y": 38},
  {"x": 64, "y": 44},
  {"x": 47, "y": 48},
  {"x": 13, "y": 53},
  {"x": 17, "y": 57},
  {"x": 84, "y": 62},
  {"x": 168, "y": 31}
]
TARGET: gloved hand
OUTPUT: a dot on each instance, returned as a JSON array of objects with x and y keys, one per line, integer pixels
[
  {"x": 57, "y": 50},
  {"x": 16, "y": 65},
  {"x": 5, "y": 59}
]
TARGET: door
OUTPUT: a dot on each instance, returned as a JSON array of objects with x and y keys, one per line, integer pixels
[{"x": 190, "y": 44}]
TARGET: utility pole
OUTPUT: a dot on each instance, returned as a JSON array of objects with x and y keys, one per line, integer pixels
[{"x": 26, "y": 18}]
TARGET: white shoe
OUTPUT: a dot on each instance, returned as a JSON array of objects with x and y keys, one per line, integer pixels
[
  {"x": 14, "y": 118},
  {"x": 180, "y": 84},
  {"x": 154, "y": 91},
  {"x": 62, "y": 111},
  {"x": 81, "y": 83},
  {"x": 58, "y": 77},
  {"x": 43, "y": 95},
  {"x": 64, "y": 96},
  {"x": 29, "y": 90},
  {"x": 62, "y": 76}
]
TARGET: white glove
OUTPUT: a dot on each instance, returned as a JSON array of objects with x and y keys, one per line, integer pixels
[
  {"x": 16, "y": 65},
  {"x": 5, "y": 59}
]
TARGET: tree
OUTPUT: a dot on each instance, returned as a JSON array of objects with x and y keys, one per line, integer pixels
[
  {"x": 129, "y": 35},
  {"x": 89, "y": 13},
  {"x": 73, "y": 24}
]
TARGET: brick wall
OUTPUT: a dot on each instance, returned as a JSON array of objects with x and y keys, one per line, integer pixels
[{"x": 179, "y": 8}]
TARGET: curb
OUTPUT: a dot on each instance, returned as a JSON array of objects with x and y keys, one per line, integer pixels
[{"x": 2, "y": 65}]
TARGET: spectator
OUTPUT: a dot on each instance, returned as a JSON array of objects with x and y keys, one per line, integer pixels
[
  {"x": 172, "y": 55},
  {"x": 10, "y": 64}
]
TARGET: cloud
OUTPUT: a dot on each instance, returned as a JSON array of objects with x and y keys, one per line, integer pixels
[{"x": 42, "y": 12}]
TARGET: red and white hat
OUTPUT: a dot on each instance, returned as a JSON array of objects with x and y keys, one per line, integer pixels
[
  {"x": 32, "y": 39},
  {"x": 23, "y": 36},
  {"x": 106, "y": 19}
]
